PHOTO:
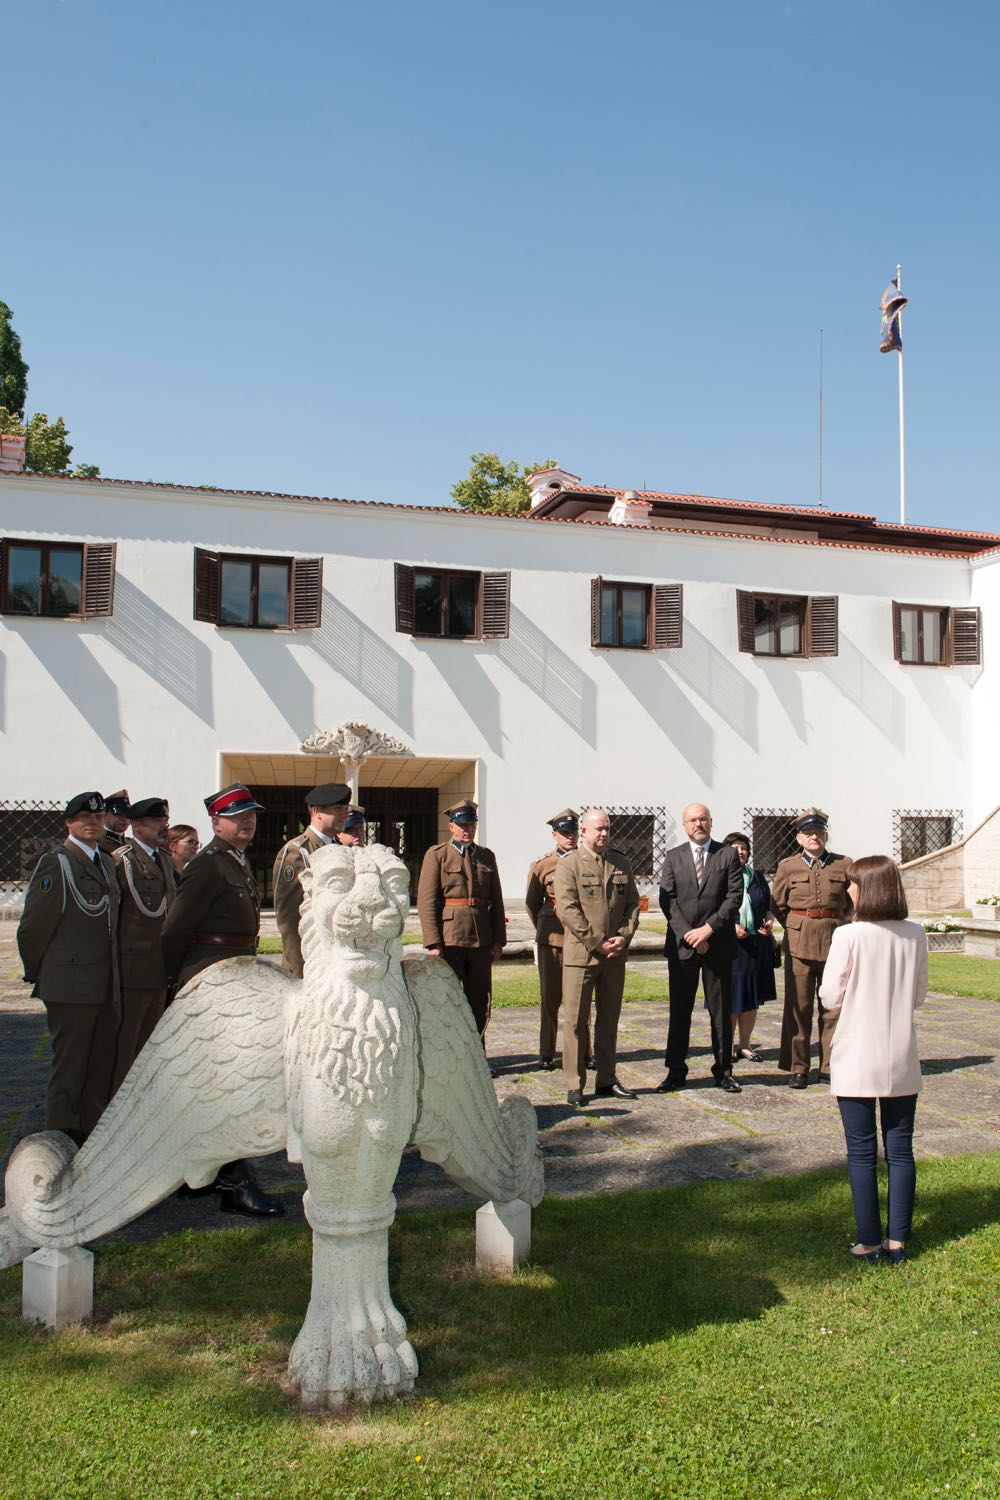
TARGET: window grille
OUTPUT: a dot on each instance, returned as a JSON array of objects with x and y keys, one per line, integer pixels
[
  {"x": 643, "y": 835},
  {"x": 920, "y": 831},
  {"x": 27, "y": 830},
  {"x": 771, "y": 831}
]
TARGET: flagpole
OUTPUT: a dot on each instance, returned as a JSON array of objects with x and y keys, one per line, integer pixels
[{"x": 902, "y": 427}]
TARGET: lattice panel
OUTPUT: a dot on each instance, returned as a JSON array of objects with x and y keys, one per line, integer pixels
[
  {"x": 920, "y": 831},
  {"x": 771, "y": 832},
  {"x": 27, "y": 829},
  {"x": 644, "y": 834}
]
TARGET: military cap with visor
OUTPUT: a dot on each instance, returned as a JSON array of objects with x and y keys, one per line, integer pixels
[
  {"x": 463, "y": 812},
  {"x": 566, "y": 821},
  {"x": 232, "y": 801},
  {"x": 812, "y": 820},
  {"x": 355, "y": 819},
  {"x": 117, "y": 802}
]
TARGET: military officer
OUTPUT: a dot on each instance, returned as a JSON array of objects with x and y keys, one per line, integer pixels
[
  {"x": 540, "y": 903},
  {"x": 598, "y": 905},
  {"x": 116, "y": 806},
  {"x": 354, "y": 834},
  {"x": 460, "y": 904},
  {"x": 809, "y": 895},
  {"x": 66, "y": 939},
  {"x": 216, "y": 915},
  {"x": 327, "y": 806},
  {"x": 147, "y": 886}
]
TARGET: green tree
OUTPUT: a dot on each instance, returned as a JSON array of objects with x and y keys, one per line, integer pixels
[
  {"x": 495, "y": 486},
  {"x": 13, "y": 370}
]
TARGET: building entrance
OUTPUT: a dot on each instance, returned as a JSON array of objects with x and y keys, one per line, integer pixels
[{"x": 403, "y": 818}]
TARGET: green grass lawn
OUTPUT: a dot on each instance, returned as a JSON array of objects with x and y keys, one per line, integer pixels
[
  {"x": 961, "y": 974},
  {"x": 703, "y": 1341}
]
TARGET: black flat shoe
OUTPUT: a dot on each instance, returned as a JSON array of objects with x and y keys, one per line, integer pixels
[
  {"x": 591, "y": 1061},
  {"x": 615, "y": 1090},
  {"x": 798, "y": 1081},
  {"x": 728, "y": 1084},
  {"x": 247, "y": 1198},
  {"x": 547, "y": 1064},
  {"x": 670, "y": 1084},
  {"x": 746, "y": 1054},
  {"x": 894, "y": 1257},
  {"x": 869, "y": 1258},
  {"x": 575, "y": 1097}
]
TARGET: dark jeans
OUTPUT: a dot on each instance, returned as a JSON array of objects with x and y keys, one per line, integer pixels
[{"x": 858, "y": 1116}]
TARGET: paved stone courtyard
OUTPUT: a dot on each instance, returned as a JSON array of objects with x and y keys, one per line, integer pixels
[{"x": 610, "y": 1145}]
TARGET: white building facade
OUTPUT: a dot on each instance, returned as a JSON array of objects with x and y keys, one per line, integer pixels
[{"x": 632, "y": 651}]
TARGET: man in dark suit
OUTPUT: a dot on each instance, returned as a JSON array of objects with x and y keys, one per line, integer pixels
[{"x": 701, "y": 890}]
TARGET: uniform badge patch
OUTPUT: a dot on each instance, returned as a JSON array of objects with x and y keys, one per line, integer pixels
[
  {"x": 288, "y": 873},
  {"x": 45, "y": 884}
]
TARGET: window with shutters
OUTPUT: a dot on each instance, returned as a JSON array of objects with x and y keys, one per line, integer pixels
[
  {"x": 258, "y": 593},
  {"x": 635, "y": 616},
  {"x": 57, "y": 580},
  {"x": 927, "y": 635},
  {"x": 786, "y": 624},
  {"x": 449, "y": 604}
]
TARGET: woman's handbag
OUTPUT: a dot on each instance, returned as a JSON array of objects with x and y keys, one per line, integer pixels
[{"x": 775, "y": 953}]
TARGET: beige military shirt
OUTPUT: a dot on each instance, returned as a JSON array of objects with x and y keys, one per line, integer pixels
[
  {"x": 596, "y": 898},
  {"x": 798, "y": 889},
  {"x": 470, "y": 881},
  {"x": 288, "y": 866}
]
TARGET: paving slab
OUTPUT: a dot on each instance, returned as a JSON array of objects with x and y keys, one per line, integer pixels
[{"x": 610, "y": 1145}]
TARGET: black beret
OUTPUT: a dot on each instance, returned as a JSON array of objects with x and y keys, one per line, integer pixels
[
  {"x": 84, "y": 802},
  {"x": 330, "y": 794},
  {"x": 150, "y": 807}
]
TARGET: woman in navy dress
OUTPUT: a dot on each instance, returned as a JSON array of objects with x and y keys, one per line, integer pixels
[{"x": 753, "y": 966}]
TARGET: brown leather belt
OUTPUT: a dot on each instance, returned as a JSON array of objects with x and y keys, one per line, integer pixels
[
  {"x": 815, "y": 911},
  {"x": 466, "y": 901},
  {"x": 226, "y": 939}
]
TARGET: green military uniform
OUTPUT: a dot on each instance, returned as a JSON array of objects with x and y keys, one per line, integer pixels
[
  {"x": 216, "y": 913},
  {"x": 811, "y": 902},
  {"x": 460, "y": 904},
  {"x": 291, "y": 861},
  {"x": 67, "y": 941},
  {"x": 147, "y": 888},
  {"x": 595, "y": 898}
]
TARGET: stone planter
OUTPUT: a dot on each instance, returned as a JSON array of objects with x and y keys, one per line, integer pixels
[{"x": 946, "y": 942}]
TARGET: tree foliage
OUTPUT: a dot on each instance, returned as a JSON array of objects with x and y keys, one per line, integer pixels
[
  {"x": 48, "y": 447},
  {"x": 13, "y": 370},
  {"x": 492, "y": 485}
]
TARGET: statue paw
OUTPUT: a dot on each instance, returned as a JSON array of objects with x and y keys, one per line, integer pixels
[{"x": 339, "y": 1358}]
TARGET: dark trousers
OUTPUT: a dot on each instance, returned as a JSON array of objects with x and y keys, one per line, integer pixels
[
  {"x": 141, "y": 1010},
  {"x": 716, "y": 975},
  {"x": 858, "y": 1116},
  {"x": 83, "y": 1064},
  {"x": 474, "y": 969}
]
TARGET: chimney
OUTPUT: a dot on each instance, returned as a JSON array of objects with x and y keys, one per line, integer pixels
[
  {"x": 547, "y": 481},
  {"x": 630, "y": 510},
  {"x": 11, "y": 453}
]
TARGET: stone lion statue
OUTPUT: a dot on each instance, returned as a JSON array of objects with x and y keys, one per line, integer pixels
[{"x": 343, "y": 1069}]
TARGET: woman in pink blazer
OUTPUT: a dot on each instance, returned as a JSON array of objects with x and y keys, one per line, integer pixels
[{"x": 875, "y": 977}]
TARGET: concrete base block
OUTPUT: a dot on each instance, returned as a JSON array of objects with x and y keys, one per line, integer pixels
[
  {"x": 503, "y": 1235},
  {"x": 57, "y": 1286}
]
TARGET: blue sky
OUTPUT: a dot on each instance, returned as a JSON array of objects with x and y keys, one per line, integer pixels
[{"x": 334, "y": 248}]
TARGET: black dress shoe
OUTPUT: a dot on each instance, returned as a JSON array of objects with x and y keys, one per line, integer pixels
[
  {"x": 798, "y": 1081},
  {"x": 547, "y": 1064},
  {"x": 189, "y": 1192},
  {"x": 246, "y": 1198},
  {"x": 591, "y": 1061},
  {"x": 615, "y": 1090},
  {"x": 728, "y": 1084},
  {"x": 824, "y": 1078},
  {"x": 575, "y": 1097},
  {"x": 671, "y": 1084}
]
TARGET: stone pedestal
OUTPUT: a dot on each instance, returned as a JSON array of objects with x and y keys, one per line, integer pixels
[
  {"x": 57, "y": 1286},
  {"x": 503, "y": 1235}
]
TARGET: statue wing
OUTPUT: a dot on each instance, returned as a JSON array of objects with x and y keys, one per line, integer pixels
[
  {"x": 208, "y": 1087},
  {"x": 490, "y": 1150}
]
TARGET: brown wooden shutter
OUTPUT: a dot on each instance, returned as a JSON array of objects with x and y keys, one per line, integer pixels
[
  {"x": 596, "y": 585},
  {"x": 305, "y": 609},
  {"x": 98, "y": 592},
  {"x": 897, "y": 631},
  {"x": 495, "y": 595},
  {"x": 404, "y": 599},
  {"x": 966, "y": 637},
  {"x": 821, "y": 626},
  {"x": 206, "y": 586},
  {"x": 744, "y": 620},
  {"x": 668, "y": 616}
]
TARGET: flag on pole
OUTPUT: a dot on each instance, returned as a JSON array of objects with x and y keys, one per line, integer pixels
[{"x": 891, "y": 306}]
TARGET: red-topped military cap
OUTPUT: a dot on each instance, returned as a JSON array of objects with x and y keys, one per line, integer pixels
[{"x": 232, "y": 801}]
